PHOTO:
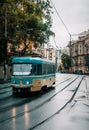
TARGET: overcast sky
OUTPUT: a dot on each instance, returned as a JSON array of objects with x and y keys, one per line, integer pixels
[{"x": 75, "y": 15}]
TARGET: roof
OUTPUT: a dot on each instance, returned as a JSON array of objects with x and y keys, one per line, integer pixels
[{"x": 31, "y": 60}]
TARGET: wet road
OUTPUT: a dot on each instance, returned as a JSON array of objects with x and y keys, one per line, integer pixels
[{"x": 65, "y": 107}]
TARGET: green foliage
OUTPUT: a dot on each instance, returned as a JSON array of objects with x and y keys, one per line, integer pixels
[
  {"x": 26, "y": 19},
  {"x": 66, "y": 61},
  {"x": 3, "y": 48}
]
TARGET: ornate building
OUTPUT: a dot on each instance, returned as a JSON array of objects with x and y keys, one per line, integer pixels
[{"x": 80, "y": 53}]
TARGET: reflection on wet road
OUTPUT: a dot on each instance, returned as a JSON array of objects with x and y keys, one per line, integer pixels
[{"x": 65, "y": 107}]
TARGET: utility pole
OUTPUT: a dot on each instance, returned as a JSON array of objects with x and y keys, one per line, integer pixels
[
  {"x": 5, "y": 42},
  {"x": 70, "y": 49}
]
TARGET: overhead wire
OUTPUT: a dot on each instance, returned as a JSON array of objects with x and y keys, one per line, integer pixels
[{"x": 60, "y": 18}]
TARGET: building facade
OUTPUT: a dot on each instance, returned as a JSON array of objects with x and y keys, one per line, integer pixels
[{"x": 80, "y": 54}]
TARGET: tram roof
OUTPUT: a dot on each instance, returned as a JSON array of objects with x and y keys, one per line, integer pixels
[{"x": 30, "y": 60}]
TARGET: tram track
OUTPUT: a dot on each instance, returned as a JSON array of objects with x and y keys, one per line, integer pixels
[
  {"x": 61, "y": 109},
  {"x": 43, "y": 103},
  {"x": 4, "y": 86},
  {"x": 5, "y": 90},
  {"x": 5, "y": 95},
  {"x": 27, "y": 99}
]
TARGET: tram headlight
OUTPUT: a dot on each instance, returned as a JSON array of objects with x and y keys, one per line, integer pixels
[{"x": 27, "y": 82}]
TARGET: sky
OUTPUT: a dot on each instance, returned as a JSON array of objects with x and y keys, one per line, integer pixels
[{"x": 75, "y": 16}]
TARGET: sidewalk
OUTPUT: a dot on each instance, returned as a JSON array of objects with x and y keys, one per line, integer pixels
[{"x": 2, "y": 81}]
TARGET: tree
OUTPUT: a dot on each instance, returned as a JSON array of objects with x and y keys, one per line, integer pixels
[
  {"x": 66, "y": 61},
  {"x": 3, "y": 49},
  {"x": 26, "y": 20}
]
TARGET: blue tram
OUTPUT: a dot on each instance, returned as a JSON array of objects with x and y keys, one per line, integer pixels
[{"x": 31, "y": 74}]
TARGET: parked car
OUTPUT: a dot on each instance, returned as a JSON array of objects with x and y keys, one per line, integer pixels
[
  {"x": 86, "y": 72},
  {"x": 78, "y": 72}
]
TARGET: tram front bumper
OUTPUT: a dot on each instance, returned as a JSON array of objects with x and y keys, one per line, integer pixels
[{"x": 21, "y": 90}]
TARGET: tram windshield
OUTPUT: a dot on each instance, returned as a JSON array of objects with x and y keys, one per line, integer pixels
[{"x": 22, "y": 69}]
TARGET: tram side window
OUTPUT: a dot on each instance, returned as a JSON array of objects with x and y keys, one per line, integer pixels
[
  {"x": 54, "y": 68},
  {"x": 44, "y": 69},
  {"x": 34, "y": 70},
  {"x": 50, "y": 69},
  {"x": 39, "y": 69}
]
